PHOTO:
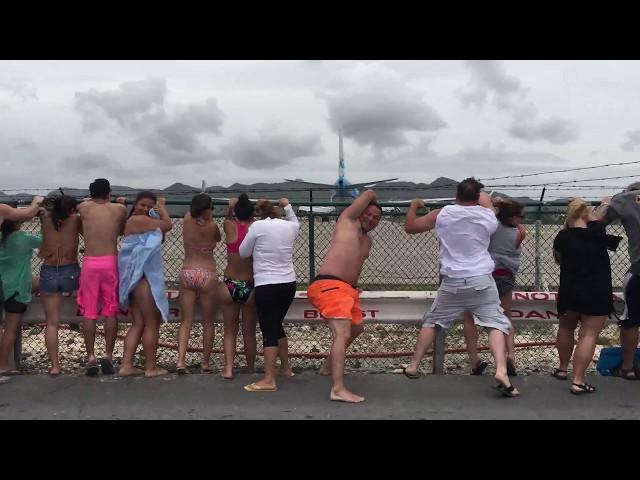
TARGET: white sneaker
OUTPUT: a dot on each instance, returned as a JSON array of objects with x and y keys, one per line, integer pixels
[{"x": 5, "y": 379}]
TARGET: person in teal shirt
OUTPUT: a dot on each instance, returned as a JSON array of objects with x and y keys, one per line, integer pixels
[{"x": 16, "y": 250}]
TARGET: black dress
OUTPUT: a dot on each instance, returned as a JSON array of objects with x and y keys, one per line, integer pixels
[{"x": 585, "y": 269}]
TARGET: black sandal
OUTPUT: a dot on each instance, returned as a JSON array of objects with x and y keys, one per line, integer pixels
[
  {"x": 583, "y": 388},
  {"x": 627, "y": 374},
  {"x": 507, "y": 391},
  {"x": 412, "y": 376},
  {"x": 511, "y": 369},
  {"x": 556, "y": 374},
  {"x": 479, "y": 369}
]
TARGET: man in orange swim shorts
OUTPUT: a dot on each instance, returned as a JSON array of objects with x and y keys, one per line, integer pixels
[{"x": 333, "y": 291}]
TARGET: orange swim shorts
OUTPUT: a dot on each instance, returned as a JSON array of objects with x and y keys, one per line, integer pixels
[{"x": 335, "y": 299}]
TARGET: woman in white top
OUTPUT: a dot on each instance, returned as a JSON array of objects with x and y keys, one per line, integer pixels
[{"x": 270, "y": 242}]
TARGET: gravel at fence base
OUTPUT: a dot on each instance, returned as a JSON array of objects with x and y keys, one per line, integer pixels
[{"x": 316, "y": 339}]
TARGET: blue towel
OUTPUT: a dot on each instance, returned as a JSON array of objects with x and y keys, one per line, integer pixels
[{"x": 141, "y": 254}]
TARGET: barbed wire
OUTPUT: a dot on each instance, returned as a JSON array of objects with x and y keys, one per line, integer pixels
[{"x": 592, "y": 167}]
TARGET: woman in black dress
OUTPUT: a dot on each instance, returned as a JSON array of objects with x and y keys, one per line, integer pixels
[{"x": 585, "y": 295}]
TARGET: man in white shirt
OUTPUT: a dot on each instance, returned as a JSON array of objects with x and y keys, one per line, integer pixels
[{"x": 464, "y": 231}]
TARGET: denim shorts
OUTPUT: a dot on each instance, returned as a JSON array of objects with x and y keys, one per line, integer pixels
[{"x": 59, "y": 279}]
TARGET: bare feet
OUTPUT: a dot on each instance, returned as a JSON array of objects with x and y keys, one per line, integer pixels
[
  {"x": 155, "y": 372},
  {"x": 287, "y": 372},
  {"x": 325, "y": 370},
  {"x": 130, "y": 371},
  {"x": 262, "y": 385},
  {"x": 227, "y": 373},
  {"x": 344, "y": 395},
  {"x": 205, "y": 367}
]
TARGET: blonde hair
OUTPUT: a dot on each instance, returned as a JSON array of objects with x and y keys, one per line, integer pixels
[{"x": 577, "y": 209}]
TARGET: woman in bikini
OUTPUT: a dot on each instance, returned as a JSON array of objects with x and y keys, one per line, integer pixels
[
  {"x": 198, "y": 278},
  {"x": 59, "y": 275},
  {"x": 236, "y": 293}
]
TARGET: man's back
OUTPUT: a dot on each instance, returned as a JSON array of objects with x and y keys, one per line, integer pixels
[
  {"x": 102, "y": 223},
  {"x": 465, "y": 233},
  {"x": 626, "y": 207}
]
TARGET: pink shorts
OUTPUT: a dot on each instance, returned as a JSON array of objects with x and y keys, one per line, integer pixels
[{"x": 99, "y": 287}]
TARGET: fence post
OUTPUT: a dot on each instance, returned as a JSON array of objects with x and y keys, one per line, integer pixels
[
  {"x": 439, "y": 347},
  {"x": 312, "y": 251},
  {"x": 538, "y": 282}
]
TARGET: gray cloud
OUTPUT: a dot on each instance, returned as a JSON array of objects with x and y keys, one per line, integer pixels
[
  {"x": 269, "y": 150},
  {"x": 97, "y": 161},
  {"x": 490, "y": 80},
  {"x": 525, "y": 126},
  {"x": 376, "y": 107},
  {"x": 174, "y": 139},
  {"x": 19, "y": 88},
  {"x": 632, "y": 142},
  {"x": 125, "y": 105},
  {"x": 171, "y": 137}
]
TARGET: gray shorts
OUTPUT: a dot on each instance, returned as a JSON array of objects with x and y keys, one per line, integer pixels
[{"x": 478, "y": 294}]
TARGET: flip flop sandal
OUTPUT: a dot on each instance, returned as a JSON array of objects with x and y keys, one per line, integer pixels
[
  {"x": 5, "y": 379},
  {"x": 556, "y": 374},
  {"x": 182, "y": 371},
  {"x": 582, "y": 388},
  {"x": 412, "y": 376},
  {"x": 206, "y": 370},
  {"x": 11, "y": 373},
  {"x": 254, "y": 387},
  {"x": 479, "y": 369},
  {"x": 107, "y": 366}
]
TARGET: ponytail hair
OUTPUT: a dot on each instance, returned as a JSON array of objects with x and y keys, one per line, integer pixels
[
  {"x": 576, "y": 209},
  {"x": 199, "y": 204},
  {"x": 60, "y": 208},
  {"x": 244, "y": 208}
]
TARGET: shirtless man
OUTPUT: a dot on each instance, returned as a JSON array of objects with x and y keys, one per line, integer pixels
[
  {"x": 334, "y": 292},
  {"x": 102, "y": 223}
]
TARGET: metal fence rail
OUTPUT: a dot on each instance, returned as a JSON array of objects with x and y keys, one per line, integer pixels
[{"x": 397, "y": 262}]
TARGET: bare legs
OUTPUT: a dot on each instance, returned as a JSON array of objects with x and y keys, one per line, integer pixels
[
  {"x": 343, "y": 335},
  {"x": 146, "y": 325},
  {"x": 11, "y": 323},
  {"x": 52, "y": 304}
]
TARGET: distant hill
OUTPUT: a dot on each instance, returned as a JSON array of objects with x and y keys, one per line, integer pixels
[{"x": 441, "y": 187}]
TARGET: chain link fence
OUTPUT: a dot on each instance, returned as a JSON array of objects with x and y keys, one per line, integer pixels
[{"x": 397, "y": 262}]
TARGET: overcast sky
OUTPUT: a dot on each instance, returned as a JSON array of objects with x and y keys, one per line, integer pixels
[{"x": 153, "y": 123}]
